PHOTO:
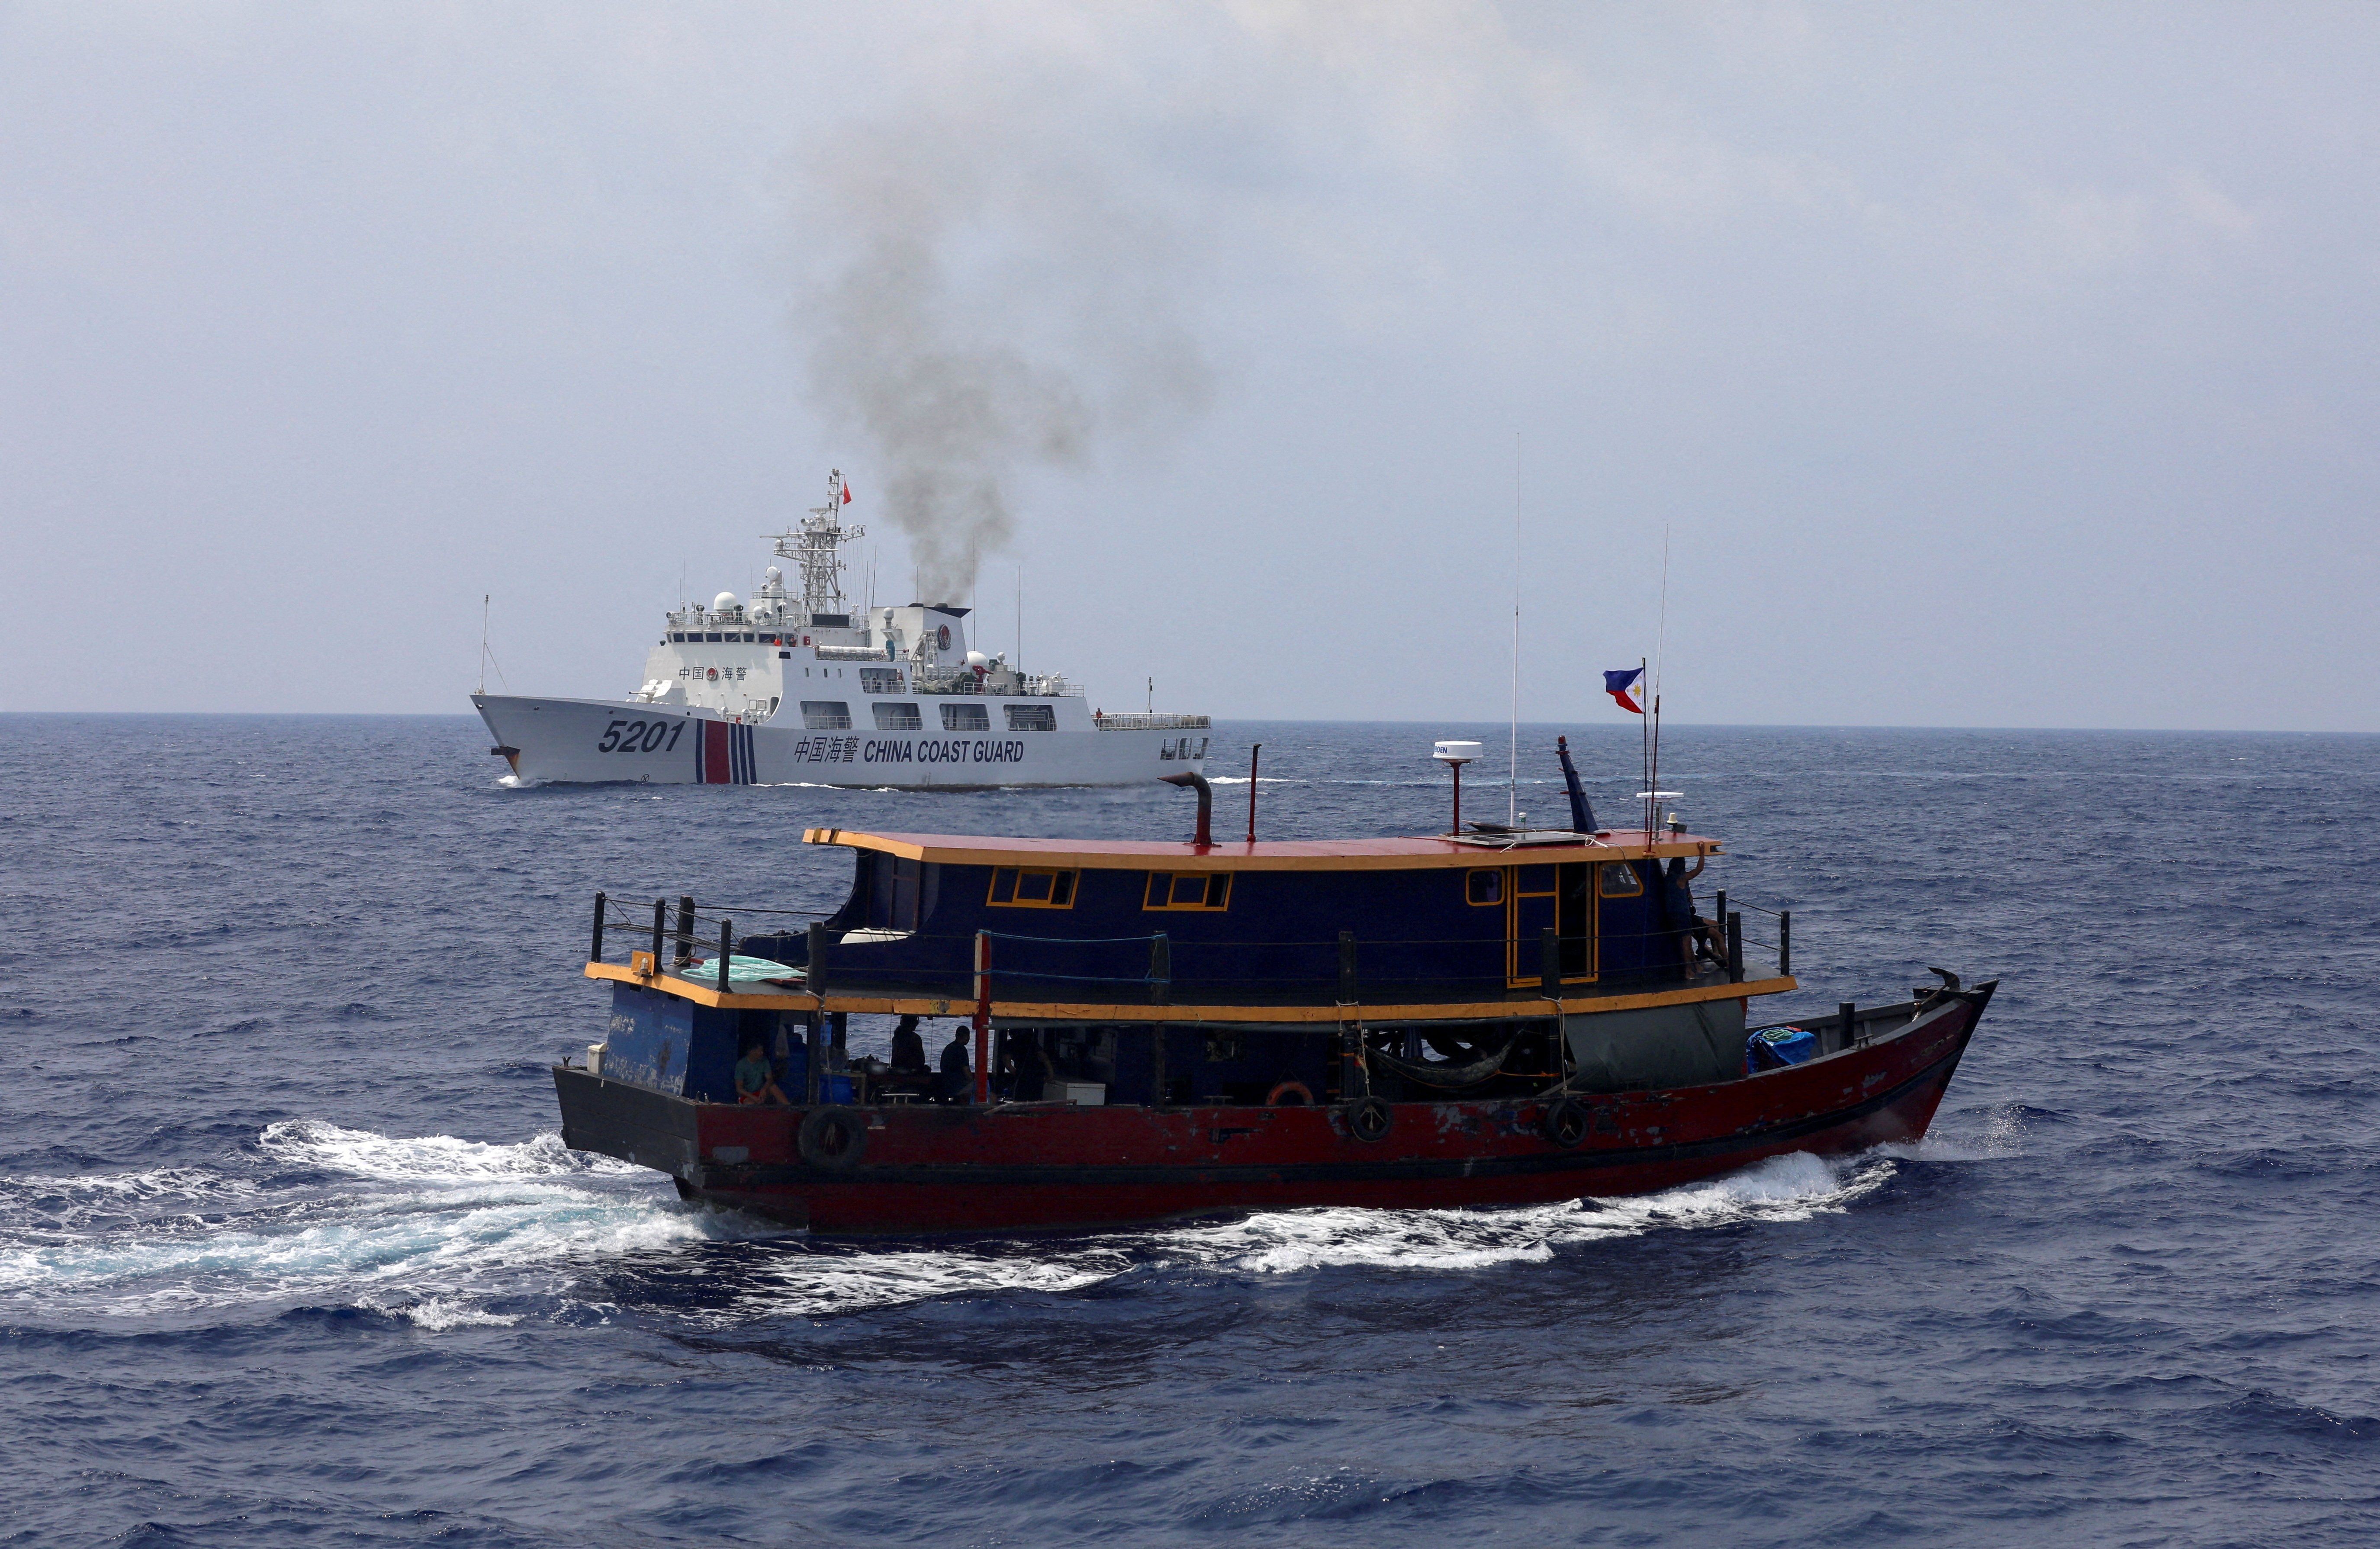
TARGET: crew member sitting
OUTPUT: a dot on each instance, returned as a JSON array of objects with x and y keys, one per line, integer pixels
[
  {"x": 1697, "y": 937},
  {"x": 755, "y": 1083},
  {"x": 908, "y": 1049},
  {"x": 958, "y": 1075}
]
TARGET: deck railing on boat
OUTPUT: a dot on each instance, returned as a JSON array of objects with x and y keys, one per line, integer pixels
[{"x": 1157, "y": 967}]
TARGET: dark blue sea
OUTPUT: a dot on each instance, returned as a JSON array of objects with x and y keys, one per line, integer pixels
[{"x": 291, "y": 1253}]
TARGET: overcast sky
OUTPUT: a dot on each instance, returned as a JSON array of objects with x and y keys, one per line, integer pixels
[{"x": 1986, "y": 365}]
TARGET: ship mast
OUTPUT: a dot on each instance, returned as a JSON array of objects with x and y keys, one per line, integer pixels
[{"x": 812, "y": 545}]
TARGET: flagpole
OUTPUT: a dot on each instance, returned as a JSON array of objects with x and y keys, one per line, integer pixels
[{"x": 1644, "y": 737}]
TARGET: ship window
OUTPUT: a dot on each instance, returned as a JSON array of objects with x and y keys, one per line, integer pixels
[
  {"x": 1484, "y": 886},
  {"x": 1032, "y": 888},
  {"x": 881, "y": 680},
  {"x": 825, "y": 715},
  {"x": 896, "y": 717},
  {"x": 678, "y": 639},
  {"x": 714, "y": 636},
  {"x": 1188, "y": 890},
  {"x": 966, "y": 717},
  {"x": 785, "y": 655},
  {"x": 1032, "y": 718},
  {"x": 1619, "y": 880},
  {"x": 1533, "y": 881}
]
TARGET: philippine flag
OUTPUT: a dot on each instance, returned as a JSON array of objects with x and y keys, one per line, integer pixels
[{"x": 1621, "y": 687}]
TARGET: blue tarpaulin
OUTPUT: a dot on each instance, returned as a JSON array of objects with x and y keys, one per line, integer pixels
[{"x": 1773, "y": 1048}]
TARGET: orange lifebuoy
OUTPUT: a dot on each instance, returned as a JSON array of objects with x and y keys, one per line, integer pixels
[{"x": 1305, "y": 1093}]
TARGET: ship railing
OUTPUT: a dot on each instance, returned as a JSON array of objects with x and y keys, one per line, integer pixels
[
  {"x": 854, "y": 653},
  {"x": 970, "y": 685},
  {"x": 689, "y": 941},
  {"x": 826, "y": 723},
  {"x": 1153, "y": 722}
]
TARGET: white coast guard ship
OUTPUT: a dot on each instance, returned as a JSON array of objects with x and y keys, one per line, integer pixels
[{"x": 785, "y": 691}]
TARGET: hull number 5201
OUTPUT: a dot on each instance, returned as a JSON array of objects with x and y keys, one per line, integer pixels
[{"x": 640, "y": 736}]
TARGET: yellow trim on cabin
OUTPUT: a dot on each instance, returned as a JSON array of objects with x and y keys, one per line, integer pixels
[
  {"x": 1018, "y": 875},
  {"x": 1241, "y": 856},
  {"x": 1205, "y": 889},
  {"x": 1041, "y": 1010}
]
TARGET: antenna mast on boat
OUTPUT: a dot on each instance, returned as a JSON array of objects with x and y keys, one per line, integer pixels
[
  {"x": 1660, "y": 652},
  {"x": 1512, "y": 749},
  {"x": 812, "y": 545}
]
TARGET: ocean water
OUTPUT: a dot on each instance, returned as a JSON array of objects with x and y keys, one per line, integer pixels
[{"x": 290, "y": 1252}]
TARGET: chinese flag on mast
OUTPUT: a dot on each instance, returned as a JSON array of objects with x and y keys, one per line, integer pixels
[{"x": 846, "y": 494}]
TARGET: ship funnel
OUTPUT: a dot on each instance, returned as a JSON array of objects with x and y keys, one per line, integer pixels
[{"x": 1206, "y": 803}]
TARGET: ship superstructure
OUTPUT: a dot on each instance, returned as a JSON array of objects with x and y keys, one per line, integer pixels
[{"x": 786, "y": 687}]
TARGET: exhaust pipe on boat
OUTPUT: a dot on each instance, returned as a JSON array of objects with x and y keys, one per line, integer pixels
[{"x": 1197, "y": 781}]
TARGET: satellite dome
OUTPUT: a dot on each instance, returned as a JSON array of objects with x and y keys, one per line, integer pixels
[
  {"x": 723, "y": 602},
  {"x": 773, "y": 575}
]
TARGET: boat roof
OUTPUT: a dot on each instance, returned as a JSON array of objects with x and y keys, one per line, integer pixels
[{"x": 1539, "y": 847}]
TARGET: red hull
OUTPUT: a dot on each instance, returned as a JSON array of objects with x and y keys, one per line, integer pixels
[{"x": 1037, "y": 1167}]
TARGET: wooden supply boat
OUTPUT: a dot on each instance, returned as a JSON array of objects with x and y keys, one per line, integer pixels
[{"x": 1159, "y": 1031}]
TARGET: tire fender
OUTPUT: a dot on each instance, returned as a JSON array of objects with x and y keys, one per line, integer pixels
[{"x": 833, "y": 1138}]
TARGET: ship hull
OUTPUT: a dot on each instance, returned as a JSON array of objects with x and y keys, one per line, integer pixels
[
  {"x": 1048, "y": 1166},
  {"x": 608, "y": 742}
]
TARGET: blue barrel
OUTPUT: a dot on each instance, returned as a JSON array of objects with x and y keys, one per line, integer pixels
[{"x": 835, "y": 1089}]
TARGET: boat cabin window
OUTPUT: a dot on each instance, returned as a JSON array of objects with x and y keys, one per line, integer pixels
[
  {"x": 714, "y": 638},
  {"x": 1032, "y": 718},
  {"x": 897, "y": 718},
  {"x": 1484, "y": 886},
  {"x": 881, "y": 680},
  {"x": 1032, "y": 888},
  {"x": 678, "y": 639},
  {"x": 1188, "y": 890},
  {"x": 825, "y": 715},
  {"x": 1619, "y": 880},
  {"x": 966, "y": 717}
]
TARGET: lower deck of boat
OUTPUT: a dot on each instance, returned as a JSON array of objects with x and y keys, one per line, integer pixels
[{"x": 906, "y": 1167}]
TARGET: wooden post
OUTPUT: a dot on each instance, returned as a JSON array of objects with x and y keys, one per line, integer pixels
[
  {"x": 595, "y": 951},
  {"x": 1785, "y": 941},
  {"x": 982, "y": 1017},
  {"x": 1718, "y": 907},
  {"x": 727, "y": 952},
  {"x": 660, "y": 928},
  {"x": 1160, "y": 967},
  {"x": 685, "y": 929},
  {"x": 1850, "y": 1023},
  {"x": 1549, "y": 963},
  {"x": 1347, "y": 991},
  {"x": 1735, "y": 948}
]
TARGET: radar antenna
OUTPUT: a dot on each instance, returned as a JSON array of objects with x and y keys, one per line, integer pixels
[{"x": 812, "y": 545}]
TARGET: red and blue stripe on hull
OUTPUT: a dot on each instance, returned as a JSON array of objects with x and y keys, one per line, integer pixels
[{"x": 722, "y": 755}]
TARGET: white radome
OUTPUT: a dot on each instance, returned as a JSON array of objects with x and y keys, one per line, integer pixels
[{"x": 723, "y": 603}]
